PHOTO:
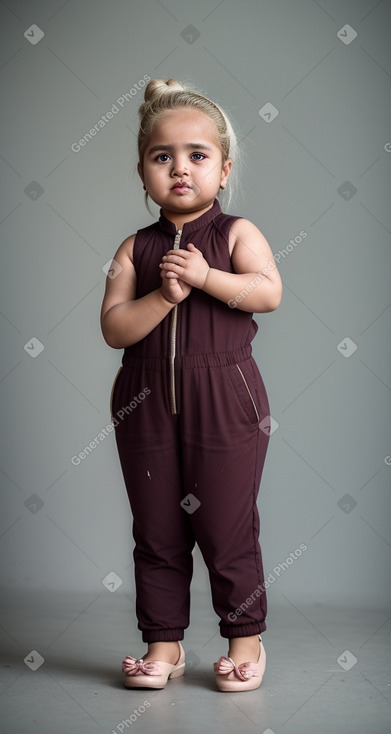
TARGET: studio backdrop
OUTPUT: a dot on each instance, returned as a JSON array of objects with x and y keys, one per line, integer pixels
[{"x": 307, "y": 86}]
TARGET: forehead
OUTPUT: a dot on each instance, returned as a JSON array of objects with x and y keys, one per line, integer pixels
[{"x": 183, "y": 124}]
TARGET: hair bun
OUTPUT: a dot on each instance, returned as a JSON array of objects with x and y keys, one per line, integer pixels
[{"x": 157, "y": 87}]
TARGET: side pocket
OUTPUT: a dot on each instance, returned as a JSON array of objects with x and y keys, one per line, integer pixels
[
  {"x": 112, "y": 393},
  {"x": 243, "y": 393},
  {"x": 249, "y": 392}
]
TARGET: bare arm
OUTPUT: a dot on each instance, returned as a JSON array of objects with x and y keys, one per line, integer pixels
[
  {"x": 124, "y": 320},
  {"x": 256, "y": 284}
]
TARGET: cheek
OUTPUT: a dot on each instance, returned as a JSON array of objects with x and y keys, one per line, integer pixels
[
  {"x": 153, "y": 175},
  {"x": 213, "y": 177}
]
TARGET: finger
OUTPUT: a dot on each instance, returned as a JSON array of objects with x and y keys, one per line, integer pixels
[
  {"x": 168, "y": 274},
  {"x": 168, "y": 265},
  {"x": 175, "y": 253},
  {"x": 175, "y": 260},
  {"x": 171, "y": 266}
]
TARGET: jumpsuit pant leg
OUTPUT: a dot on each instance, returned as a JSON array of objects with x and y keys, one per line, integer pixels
[
  {"x": 224, "y": 451},
  {"x": 147, "y": 437},
  {"x": 215, "y": 450}
]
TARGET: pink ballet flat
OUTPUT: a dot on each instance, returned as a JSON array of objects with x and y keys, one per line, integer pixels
[
  {"x": 153, "y": 673},
  {"x": 244, "y": 677}
]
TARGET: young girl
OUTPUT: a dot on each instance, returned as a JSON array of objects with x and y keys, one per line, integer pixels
[{"x": 189, "y": 405}]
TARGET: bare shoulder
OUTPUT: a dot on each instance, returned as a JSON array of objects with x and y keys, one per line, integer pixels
[
  {"x": 125, "y": 249},
  {"x": 243, "y": 228},
  {"x": 245, "y": 233}
]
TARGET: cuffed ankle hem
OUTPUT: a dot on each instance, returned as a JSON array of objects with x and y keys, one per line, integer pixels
[
  {"x": 167, "y": 635},
  {"x": 242, "y": 630}
]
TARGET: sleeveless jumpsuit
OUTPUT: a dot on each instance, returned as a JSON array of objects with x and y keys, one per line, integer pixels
[{"x": 191, "y": 449}]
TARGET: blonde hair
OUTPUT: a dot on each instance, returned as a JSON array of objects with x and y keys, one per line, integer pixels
[{"x": 161, "y": 96}]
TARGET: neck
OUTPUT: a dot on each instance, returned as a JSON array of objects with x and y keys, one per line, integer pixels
[{"x": 179, "y": 218}]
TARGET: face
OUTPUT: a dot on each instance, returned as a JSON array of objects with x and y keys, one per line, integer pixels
[{"x": 182, "y": 168}]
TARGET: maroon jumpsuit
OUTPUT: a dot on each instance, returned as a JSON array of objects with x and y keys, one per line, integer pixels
[{"x": 191, "y": 449}]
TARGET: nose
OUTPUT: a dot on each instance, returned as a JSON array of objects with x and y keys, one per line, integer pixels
[{"x": 179, "y": 166}]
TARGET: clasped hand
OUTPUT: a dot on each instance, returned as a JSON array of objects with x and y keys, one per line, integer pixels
[{"x": 187, "y": 265}]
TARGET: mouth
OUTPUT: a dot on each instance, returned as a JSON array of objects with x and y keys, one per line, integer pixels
[{"x": 181, "y": 186}]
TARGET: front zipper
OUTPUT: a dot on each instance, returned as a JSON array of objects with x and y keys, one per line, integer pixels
[
  {"x": 172, "y": 338},
  {"x": 248, "y": 390}
]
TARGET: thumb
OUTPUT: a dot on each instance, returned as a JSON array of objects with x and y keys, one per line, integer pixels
[{"x": 193, "y": 247}]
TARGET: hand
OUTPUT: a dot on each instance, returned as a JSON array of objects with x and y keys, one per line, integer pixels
[
  {"x": 188, "y": 265},
  {"x": 173, "y": 289}
]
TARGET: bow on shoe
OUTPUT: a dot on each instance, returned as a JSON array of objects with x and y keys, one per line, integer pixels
[
  {"x": 225, "y": 666},
  {"x": 132, "y": 666}
]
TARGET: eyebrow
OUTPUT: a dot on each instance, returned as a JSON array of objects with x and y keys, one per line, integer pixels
[{"x": 198, "y": 146}]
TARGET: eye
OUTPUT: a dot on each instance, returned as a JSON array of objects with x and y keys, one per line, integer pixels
[
  {"x": 162, "y": 156},
  {"x": 199, "y": 156}
]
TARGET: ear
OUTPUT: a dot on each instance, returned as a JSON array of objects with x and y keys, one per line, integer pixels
[{"x": 225, "y": 172}]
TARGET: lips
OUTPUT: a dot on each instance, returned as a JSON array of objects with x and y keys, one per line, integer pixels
[{"x": 181, "y": 185}]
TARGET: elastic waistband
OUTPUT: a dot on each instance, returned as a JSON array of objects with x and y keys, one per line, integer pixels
[{"x": 220, "y": 359}]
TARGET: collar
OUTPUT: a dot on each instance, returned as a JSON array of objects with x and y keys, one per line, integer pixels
[{"x": 189, "y": 227}]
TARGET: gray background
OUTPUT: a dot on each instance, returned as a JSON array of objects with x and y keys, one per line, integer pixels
[{"x": 64, "y": 528}]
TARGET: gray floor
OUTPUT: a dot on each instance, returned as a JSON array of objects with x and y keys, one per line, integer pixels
[{"x": 83, "y": 639}]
